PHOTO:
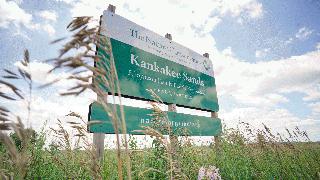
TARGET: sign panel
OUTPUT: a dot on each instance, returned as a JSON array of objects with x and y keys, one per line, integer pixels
[
  {"x": 137, "y": 117},
  {"x": 145, "y": 60}
]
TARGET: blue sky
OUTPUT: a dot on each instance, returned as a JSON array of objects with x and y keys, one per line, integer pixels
[
  {"x": 281, "y": 21},
  {"x": 265, "y": 53}
]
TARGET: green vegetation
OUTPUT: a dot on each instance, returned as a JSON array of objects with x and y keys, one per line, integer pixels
[{"x": 235, "y": 157}]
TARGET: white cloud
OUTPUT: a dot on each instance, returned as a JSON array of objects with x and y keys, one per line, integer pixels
[
  {"x": 255, "y": 10},
  {"x": 303, "y": 33},
  {"x": 235, "y": 8},
  {"x": 49, "y": 29},
  {"x": 227, "y": 52},
  {"x": 10, "y": 12},
  {"x": 259, "y": 88},
  {"x": 296, "y": 73},
  {"x": 313, "y": 93},
  {"x": 49, "y": 15},
  {"x": 262, "y": 53},
  {"x": 277, "y": 119},
  {"x": 21, "y": 33},
  {"x": 315, "y": 107},
  {"x": 264, "y": 83},
  {"x": 18, "y": 1},
  {"x": 66, "y": 1},
  {"x": 289, "y": 41},
  {"x": 39, "y": 73},
  {"x": 192, "y": 24},
  {"x": 49, "y": 106},
  {"x": 318, "y": 46}
]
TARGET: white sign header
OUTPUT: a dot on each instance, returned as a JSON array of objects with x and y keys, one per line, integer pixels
[{"x": 121, "y": 29}]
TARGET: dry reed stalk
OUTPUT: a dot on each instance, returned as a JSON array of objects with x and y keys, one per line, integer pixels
[
  {"x": 123, "y": 122},
  {"x": 104, "y": 75},
  {"x": 162, "y": 126},
  {"x": 10, "y": 121},
  {"x": 83, "y": 142}
]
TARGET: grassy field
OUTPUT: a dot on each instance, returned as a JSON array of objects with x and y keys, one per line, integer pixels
[{"x": 236, "y": 158}]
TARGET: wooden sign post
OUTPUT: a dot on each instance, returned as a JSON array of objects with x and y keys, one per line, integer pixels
[
  {"x": 98, "y": 138},
  {"x": 174, "y": 139},
  {"x": 213, "y": 114}
]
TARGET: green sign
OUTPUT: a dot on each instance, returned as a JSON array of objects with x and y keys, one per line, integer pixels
[
  {"x": 139, "y": 71},
  {"x": 138, "y": 117},
  {"x": 146, "y": 61}
]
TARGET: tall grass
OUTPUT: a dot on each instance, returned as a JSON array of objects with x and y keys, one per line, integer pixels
[{"x": 237, "y": 158}]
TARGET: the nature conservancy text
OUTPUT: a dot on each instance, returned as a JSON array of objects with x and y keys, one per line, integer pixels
[{"x": 168, "y": 51}]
